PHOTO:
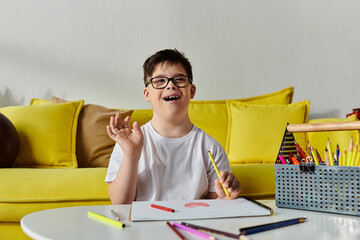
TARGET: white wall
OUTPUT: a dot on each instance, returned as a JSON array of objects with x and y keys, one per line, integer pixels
[{"x": 94, "y": 49}]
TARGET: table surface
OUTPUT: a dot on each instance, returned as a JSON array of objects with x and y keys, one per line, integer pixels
[{"x": 73, "y": 223}]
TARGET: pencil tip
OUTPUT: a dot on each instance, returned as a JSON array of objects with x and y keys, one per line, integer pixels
[{"x": 242, "y": 237}]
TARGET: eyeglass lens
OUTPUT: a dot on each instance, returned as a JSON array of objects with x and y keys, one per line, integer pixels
[{"x": 162, "y": 82}]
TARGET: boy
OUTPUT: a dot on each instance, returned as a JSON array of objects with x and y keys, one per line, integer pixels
[{"x": 167, "y": 158}]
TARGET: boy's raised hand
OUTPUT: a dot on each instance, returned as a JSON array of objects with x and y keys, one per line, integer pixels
[
  {"x": 230, "y": 182},
  {"x": 130, "y": 141}
]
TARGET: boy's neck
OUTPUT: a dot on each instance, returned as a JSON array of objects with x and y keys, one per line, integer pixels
[{"x": 172, "y": 128}]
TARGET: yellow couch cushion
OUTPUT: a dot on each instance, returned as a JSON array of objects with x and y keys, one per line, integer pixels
[
  {"x": 319, "y": 139},
  {"x": 142, "y": 116},
  {"x": 257, "y": 180},
  {"x": 12, "y": 230},
  {"x": 38, "y": 101},
  {"x": 256, "y": 131},
  {"x": 29, "y": 190},
  {"x": 212, "y": 116},
  {"x": 47, "y": 134}
]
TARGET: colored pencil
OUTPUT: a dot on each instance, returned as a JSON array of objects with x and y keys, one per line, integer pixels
[
  {"x": 337, "y": 154},
  {"x": 318, "y": 155},
  {"x": 162, "y": 208},
  {"x": 309, "y": 147},
  {"x": 357, "y": 162},
  {"x": 316, "y": 160},
  {"x": 218, "y": 173},
  {"x": 106, "y": 219},
  {"x": 270, "y": 226},
  {"x": 331, "y": 156},
  {"x": 340, "y": 159},
  {"x": 194, "y": 231},
  {"x": 295, "y": 161},
  {"x": 282, "y": 159},
  {"x": 176, "y": 231},
  {"x": 117, "y": 216},
  {"x": 353, "y": 158},
  {"x": 211, "y": 230},
  {"x": 349, "y": 156},
  {"x": 302, "y": 154},
  {"x": 327, "y": 157}
]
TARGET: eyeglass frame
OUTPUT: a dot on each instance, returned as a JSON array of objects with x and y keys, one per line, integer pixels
[{"x": 168, "y": 80}]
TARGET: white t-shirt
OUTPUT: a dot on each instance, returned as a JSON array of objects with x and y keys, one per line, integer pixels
[{"x": 174, "y": 168}]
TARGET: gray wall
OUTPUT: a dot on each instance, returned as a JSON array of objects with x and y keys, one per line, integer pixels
[{"x": 94, "y": 50}]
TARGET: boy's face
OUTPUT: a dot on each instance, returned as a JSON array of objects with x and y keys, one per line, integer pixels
[{"x": 178, "y": 104}]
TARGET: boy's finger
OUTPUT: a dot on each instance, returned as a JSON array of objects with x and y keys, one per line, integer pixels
[
  {"x": 126, "y": 122},
  {"x": 136, "y": 127},
  {"x": 229, "y": 180},
  {"x": 112, "y": 123},
  {"x": 235, "y": 185},
  {"x": 118, "y": 120},
  {"x": 109, "y": 132},
  {"x": 219, "y": 189},
  {"x": 223, "y": 176}
]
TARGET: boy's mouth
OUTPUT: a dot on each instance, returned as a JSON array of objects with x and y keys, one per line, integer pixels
[{"x": 171, "y": 98}]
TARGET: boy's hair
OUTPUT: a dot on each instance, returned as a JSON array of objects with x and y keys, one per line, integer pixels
[{"x": 172, "y": 56}]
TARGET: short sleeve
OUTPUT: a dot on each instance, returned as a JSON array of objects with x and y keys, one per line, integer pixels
[{"x": 114, "y": 163}]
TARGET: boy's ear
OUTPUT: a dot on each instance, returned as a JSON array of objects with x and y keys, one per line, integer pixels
[
  {"x": 146, "y": 94},
  {"x": 192, "y": 91}
]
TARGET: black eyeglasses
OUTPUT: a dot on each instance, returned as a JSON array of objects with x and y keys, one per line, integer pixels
[{"x": 162, "y": 82}]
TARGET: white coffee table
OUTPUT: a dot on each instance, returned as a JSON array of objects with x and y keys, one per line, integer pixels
[{"x": 73, "y": 223}]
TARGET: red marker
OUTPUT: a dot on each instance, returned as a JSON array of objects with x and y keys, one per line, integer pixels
[{"x": 162, "y": 208}]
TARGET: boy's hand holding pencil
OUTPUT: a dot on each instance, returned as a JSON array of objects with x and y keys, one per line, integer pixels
[
  {"x": 226, "y": 186},
  {"x": 230, "y": 182}
]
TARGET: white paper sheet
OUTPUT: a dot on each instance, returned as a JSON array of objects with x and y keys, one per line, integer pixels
[{"x": 196, "y": 209}]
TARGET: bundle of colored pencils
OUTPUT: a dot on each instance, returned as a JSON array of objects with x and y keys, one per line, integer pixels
[{"x": 349, "y": 158}]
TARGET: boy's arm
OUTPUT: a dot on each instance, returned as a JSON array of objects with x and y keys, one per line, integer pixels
[{"x": 122, "y": 189}]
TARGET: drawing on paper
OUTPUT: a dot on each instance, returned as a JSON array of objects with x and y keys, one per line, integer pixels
[{"x": 196, "y": 204}]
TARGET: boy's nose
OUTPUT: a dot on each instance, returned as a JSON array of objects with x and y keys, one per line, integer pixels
[{"x": 171, "y": 85}]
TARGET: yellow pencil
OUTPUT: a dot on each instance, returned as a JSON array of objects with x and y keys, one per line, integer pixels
[
  {"x": 331, "y": 156},
  {"x": 218, "y": 173},
  {"x": 106, "y": 219},
  {"x": 314, "y": 155},
  {"x": 357, "y": 162},
  {"x": 340, "y": 159},
  {"x": 349, "y": 157},
  {"x": 326, "y": 156},
  {"x": 344, "y": 158},
  {"x": 353, "y": 159}
]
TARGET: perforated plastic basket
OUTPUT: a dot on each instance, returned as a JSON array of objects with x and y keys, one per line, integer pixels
[{"x": 320, "y": 188}]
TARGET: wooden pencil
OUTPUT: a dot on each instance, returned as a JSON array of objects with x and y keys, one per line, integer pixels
[
  {"x": 349, "y": 156},
  {"x": 211, "y": 230},
  {"x": 176, "y": 231},
  {"x": 326, "y": 156}
]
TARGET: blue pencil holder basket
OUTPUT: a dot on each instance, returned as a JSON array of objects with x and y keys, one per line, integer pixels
[
  {"x": 319, "y": 188},
  {"x": 334, "y": 189}
]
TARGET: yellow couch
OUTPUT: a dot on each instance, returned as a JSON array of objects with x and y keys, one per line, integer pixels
[{"x": 64, "y": 149}]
